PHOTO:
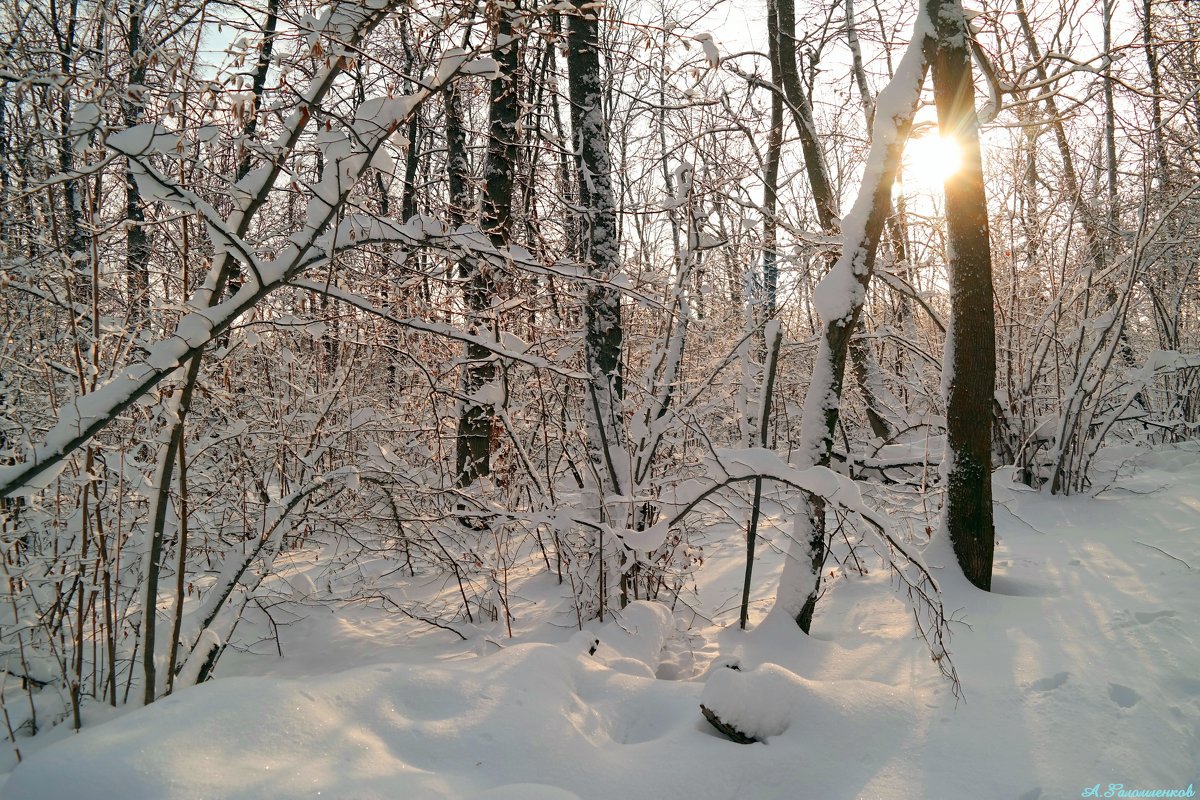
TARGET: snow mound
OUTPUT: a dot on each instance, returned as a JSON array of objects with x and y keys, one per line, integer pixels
[
  {"x": 531, "y": 721},
  {"x": 761, "y": 703},
  {"x": 376, "y": 732},
  {"x": 768, "y": 700}
]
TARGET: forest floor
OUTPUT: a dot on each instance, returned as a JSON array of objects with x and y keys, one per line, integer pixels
[{"x": 1082, "y": 668}]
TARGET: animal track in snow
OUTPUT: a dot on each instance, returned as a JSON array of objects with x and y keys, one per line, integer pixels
[
  {"x": 1123, "y": 695},
  {"x": 1050, "y": 683}
]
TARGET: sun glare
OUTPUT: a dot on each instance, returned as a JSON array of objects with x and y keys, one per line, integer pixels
[{"x": 931, "y": 159}]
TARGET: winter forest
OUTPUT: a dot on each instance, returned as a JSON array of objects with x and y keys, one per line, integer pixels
[{"x": 555, "y": 401}]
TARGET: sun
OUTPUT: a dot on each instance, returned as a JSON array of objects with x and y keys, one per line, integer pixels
[{"x": 930, "y": 160}]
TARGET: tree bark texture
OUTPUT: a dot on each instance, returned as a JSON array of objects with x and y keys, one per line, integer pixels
[
  {"x": 137, "y": 241},
  {"x": 770, "y": 250},
  {"x": 474, "y": 441},
  {"x": 970, "y": 358},
  {"x": 604, "y": 332},
  {"x": 810, "y": 145}
]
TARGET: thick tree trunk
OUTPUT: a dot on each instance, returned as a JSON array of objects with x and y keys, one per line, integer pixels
[
  {"x": 458, "y": 166},
  {"x": 600, "y": 250},
  {"x": 604, "y": 332},
  {"x": 478, "y": 415},
  {"x": 970, "y": 358}
]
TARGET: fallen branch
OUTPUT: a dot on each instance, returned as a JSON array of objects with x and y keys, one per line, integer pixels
[{"x": 1164, "y": 552}]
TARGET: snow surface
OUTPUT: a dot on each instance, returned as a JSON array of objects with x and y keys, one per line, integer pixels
[{"x": 1081, "y": 668}]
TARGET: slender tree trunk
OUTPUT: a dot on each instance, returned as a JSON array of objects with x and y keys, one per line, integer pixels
[
  {"x": 250, "y": 125},
  {"x": 866, "y": 372},
  {"x": 259, "y": 83},
  {"x": 810, "y": 145},
  {"x": 179, "y": 404},
  {"x": 774, "y": 336},
  {"x": 839, "y": 299},
  {"x": 970, "y": 358},
  {"x": 76, "y": 239},
  {"x": 1156, "y": 117},
  {"x": 1070, "y": 176},
  {"x": 565, "y": 174},
  {"x": 180, "y": 569},
  {"x": 604, "y": 332},
  {"x": 167, "y": 453},
  {"x": 137, "y": 241},
  {"x": 412, "y": 162},
  {"x": 856, "y": 61},
  {"x": 770, "y": 251},
  {"x": 1098, "y": 242},
  {"x": 1110, "y": 132},
  {"x": 827, "y": 216}
]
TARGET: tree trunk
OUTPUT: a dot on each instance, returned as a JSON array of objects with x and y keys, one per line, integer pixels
[
  {"x": 793, "y": 87},
  {"x": 458, "y": 166},
  {"x": 179, "y": 406},
  {"x": 970, "y": 358},
  {"x": 137, "y": 241},
  {"x": 839, "y": 298},
  {"x": 599, "y": 248},
  {"x": 259, "y": 84},
  {"x": 76, "y": 239},
  {"x": 770, "y": 249},
  {"x": 604, "y": 332},
  {"x": 478, "y": 415},
  {"x": 1070, "y": 177},
  {"x": 1156, "y": 115}
]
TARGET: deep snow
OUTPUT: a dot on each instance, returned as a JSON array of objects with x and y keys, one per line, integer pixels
[{"x": 1082, "y": 668}]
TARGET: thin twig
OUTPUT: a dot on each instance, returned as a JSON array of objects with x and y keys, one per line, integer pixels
[{"x": 1164, "y": 552}]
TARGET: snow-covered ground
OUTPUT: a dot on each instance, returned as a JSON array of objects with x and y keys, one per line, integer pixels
[{"x": 1082, "y": 668}]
